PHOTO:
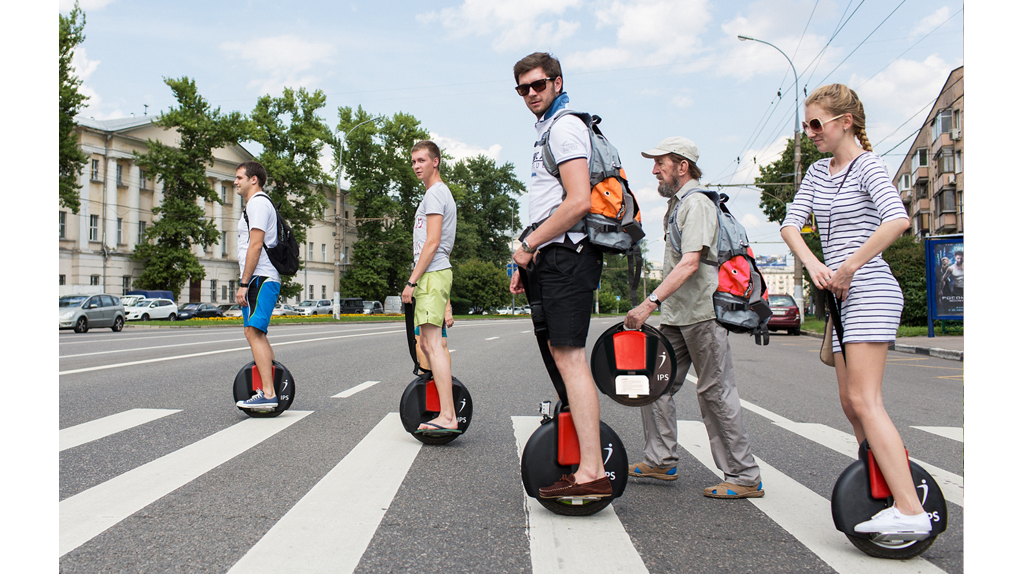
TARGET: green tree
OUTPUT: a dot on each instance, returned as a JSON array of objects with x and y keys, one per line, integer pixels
[
  {"x": 167, "y": 249},
  {"x": 293, "y": 136},
  {"x": 386, "y": 193},
  {"x": 906, "y": 258},
  {"x": 483, "y": 283},
  {"x": 486, "y": 206},
  {"x": 774, "y": 198},
  {"x": 71, "y": 158}
]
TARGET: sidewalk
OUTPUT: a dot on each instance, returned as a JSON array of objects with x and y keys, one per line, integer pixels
[{"x": 944, "y": 347}]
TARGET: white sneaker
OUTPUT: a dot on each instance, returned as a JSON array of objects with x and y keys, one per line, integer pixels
[{"x": 892, "y": 521}]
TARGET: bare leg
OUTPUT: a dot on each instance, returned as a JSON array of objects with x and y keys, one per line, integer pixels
[
  {"x": 586, "y": 411},
  {"x": 430, "y": 342},
  {"x": 860, "y": 390},
  {"x": 263, "y": 354}
]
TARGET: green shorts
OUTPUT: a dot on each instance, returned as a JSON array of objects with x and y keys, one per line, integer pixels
[{"x": 432, "y": 293}]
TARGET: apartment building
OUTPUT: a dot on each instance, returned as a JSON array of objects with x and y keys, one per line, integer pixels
[
  {"x": 117, "y": 201},
  {"x": 931, "y": 178}
]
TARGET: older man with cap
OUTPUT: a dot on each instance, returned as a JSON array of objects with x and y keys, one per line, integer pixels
[{"x": 688, "y": 320}]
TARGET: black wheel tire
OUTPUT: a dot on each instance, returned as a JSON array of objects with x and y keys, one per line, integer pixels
[
  {"x": 118, "y": 324},
  {"x": 795, "y": 332},
  {"x": 554, "y": 505},
  {"x": 82, "y": 325},
  {"x": 892, "y": 550},
  {"x": 284, "y": 387},
  {"x": 145, "y": 316},
  {"x": 413, "y": 412},
  {"x": 172, "y": 317}
]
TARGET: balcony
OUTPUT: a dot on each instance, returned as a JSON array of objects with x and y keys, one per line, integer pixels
[{"x": 921, "y": 176}]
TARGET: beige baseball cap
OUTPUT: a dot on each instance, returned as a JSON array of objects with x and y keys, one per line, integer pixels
[{"x": 678, "y": 145}]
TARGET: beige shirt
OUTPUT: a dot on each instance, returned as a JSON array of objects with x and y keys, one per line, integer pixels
[{"x": 697, "y": 220}]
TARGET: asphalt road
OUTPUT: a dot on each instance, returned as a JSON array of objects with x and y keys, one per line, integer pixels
[{"x": 193, "y": 484}]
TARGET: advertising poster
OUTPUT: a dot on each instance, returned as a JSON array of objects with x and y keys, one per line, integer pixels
[{"x": 945, "y": 274}]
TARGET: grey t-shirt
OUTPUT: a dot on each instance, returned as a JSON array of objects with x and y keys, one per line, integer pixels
[{"x": 437, "y": 200}]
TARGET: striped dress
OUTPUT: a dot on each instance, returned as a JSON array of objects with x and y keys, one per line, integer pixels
[{"x": 846, "y": 219}]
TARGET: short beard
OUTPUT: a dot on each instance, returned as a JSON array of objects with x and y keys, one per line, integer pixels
[{"x": 668, "y": 187}]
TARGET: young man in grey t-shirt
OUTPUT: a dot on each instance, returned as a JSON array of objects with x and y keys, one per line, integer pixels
[{"x": 433, "y": 235}]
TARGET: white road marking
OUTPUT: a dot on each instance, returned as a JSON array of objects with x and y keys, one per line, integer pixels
[
  {"x": 952, "y": 484},
  {"x": 801, "y": 512},
  {"x": 246, "y": 348},
  {"x": 330, "y": 527},
  {"x": 360, "y": 387},
  {"x": 596, "y": 543},
  {"x": 526, "y": 331},
  {"x": 99, "y": 428},
  {"x": 952, "y": 433},
  {"x": 491, "y": 338},
  {"x": 87, "y": 514}
]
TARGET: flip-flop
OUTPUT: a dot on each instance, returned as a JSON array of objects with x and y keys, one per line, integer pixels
[{"x": 438, "y": 429}]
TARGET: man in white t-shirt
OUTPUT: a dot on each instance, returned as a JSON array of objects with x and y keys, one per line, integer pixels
[
  {"x": 433, "y": 236},
  {"x": 567, "y": 268},
  {"x": 260, "y": 283}
]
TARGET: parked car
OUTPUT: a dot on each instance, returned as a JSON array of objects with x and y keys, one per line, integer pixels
[
  {"x": 233, "y": 311},
  {"x": 194, "y": 310},
  {"x": 351, "y": 306},
  {"x": 318, "y": 307},
  {"x": 505, "y": 311},
  {"x": 393, "y": 305},
  {"x": 785, "y": 314},
  {"x": 284, "y": 309},
  {"x": 82, "y": 312},
  {"x": 148, "y": 309},
  {"x": 523, "y": 310},
  {"x": 131, "y": 300},
  {"x": 372, "y": 308},
  {"x": 225, "y": 307},
  {"x": 477, "y": 311}
]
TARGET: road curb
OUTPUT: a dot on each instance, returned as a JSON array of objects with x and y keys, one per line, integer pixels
[{"x": 947, "y": 354}]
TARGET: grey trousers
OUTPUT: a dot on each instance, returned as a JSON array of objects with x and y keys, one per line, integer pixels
[{"x": 704, "y": 345}]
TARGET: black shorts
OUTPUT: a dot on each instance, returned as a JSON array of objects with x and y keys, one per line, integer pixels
[{"x": 567, "y": 281}]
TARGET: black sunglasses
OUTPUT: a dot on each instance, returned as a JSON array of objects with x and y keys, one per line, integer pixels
[{"x": 538, "y": 86}]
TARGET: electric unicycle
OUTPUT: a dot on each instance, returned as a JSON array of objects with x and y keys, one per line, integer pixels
[
  {"x": 861, "y": 492},
  {"x": 248, "y": 381},
  {"x": 420, "y": 402}
]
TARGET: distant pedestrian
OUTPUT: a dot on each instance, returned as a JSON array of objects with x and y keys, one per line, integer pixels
[{"x": 859, "y": 214}]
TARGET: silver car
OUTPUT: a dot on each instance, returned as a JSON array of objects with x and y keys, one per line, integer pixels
[{"x": 82, "y": 312}]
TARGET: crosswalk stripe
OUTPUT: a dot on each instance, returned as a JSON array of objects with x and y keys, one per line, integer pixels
[
  {"x": 952, "y": 433},
  {"x": 803, "y": 513},
  {"x": 596, "y": 543},
  {"x": 349, "y": 392},
  {"x": 106, "y": 426},
  {"x": 89, "y": 513},
  {"x": 330, "y": 527}
]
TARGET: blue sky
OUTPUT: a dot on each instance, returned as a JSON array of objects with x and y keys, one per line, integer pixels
[{"x": 650, "y": 68}]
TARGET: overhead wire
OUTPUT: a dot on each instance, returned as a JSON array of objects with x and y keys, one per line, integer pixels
[{"x": 852, "y": 52}]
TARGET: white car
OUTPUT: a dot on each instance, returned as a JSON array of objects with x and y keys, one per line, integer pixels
[
  {"x": 318, "y": 307},
  {"x": 233, "y": 311},
  {"x": 283, "y": 309},
  {"x": 505, "y": 311},
  {"x": 152, "y": 309}
]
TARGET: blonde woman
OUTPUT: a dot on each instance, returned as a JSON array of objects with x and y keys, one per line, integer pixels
[{"x": 859, "y": 214}]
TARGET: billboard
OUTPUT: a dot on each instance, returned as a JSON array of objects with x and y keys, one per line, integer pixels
[{"x": 945, "y": 276}]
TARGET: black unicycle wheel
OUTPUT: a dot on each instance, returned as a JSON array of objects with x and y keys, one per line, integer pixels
[
  {"x": 633, "y": 368},
  {"x": 420, "y": 404},
  {"x": 248, "y": 381}
]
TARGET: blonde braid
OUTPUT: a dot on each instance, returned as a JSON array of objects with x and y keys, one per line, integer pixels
[{"x": 862, "y": 135}]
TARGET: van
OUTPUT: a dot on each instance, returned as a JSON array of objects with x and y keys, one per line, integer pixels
[
  {"x": 393, "y": 305},
  {"x": 351, "y": 306}
]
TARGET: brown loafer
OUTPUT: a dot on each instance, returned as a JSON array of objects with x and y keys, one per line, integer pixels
[{"x": 567, "y": 486}]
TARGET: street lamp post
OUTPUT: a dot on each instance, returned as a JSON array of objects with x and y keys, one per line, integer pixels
[
  {"x": 798, "y": 270},
  {"x": 339, "y": 228}
]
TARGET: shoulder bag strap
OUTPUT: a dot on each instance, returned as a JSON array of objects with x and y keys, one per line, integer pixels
[{"x": 834, "y": 305}]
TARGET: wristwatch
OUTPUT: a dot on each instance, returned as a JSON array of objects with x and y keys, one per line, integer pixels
[
  {"x": 654, "y": 299},
  {"x": 527, "y": 248},
  {"x": 411, "y": 284}
]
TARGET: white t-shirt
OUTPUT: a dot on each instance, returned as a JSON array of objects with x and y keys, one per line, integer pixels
[
  {"x": 437, "y": 200},
  {"x": 569, "y": 140},
  {"x": 261, "y": 216}
]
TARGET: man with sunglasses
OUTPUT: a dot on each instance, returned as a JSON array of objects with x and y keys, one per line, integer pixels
[
  {"x": 566, "y": 266},
  {"x": 688, "y": 320}
]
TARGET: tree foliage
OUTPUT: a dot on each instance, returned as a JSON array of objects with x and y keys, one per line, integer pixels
[
  {"x": 906, "y": 258},
  {"x": 179, "y": 221},
  {"x": 486, "y": 207},
  {"x": 71, "y": 158},
  {"x": 483, "y": 283},
  {"x": 293, "y": 137},
  {"x": 386, "y": 193}
]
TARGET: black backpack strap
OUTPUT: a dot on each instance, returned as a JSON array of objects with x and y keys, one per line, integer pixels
[
  {"x": 410, "y": 333},
  {"x": 531, "y": 283},
  {"x": 277, "y": 216}
]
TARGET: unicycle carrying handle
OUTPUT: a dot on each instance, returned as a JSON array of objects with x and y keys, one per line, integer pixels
[
  {"x": 410, "y": 333},
  {"x": 531, "y": 283}
]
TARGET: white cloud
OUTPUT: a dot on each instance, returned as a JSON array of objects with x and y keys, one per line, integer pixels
[
  {"x": 929, "y": 23},
  {"x": 95, "y": 107},
  {"x": 280, "y": 59},
  {"x": 682, "y": 101},
  {"x": 85, "y": 5},
  {"x": 781, "y": 23},
  {"x": 515, "y": 25},
  {"x": 898, "y": 92},
  {"x": 459, "y": 150}
]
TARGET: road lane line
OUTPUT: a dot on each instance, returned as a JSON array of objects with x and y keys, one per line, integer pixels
[
  {"x": 491, "y": 338},
  {"x": 329, "y": 528},
  {"x": 246, "y": 348},
  {"x": 952, "y": 433},
  {"x": 348, "y": 393},
  {"x": 803, "y": 513},
  {"x": 952, "y": 484},
  {"x": 596, "y": 543},
  {"x": 99, "y": 428},
  {"x": 89, "y": 513}
]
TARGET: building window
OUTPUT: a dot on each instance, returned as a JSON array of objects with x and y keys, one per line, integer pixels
[
  {"x": 942, "y": 124},
  {"x": 224, "y": 292},
  {"x": 63, "y": 280},
  {"x": 310, "y": 291},
  {"x": 94, "y": 172},
  {"x": 309, "y": 254},
  {"x": 213, "y": 290},
  {"x": 63, "y": 224},
  {"x": 958, "y": 161},
  {"x": 224, "y": 194},
  {"x": 126, "y": 284},
  {"x": 231, "y": 287},
  {"x": 142, "y": 231},
  {"x": 120, "y": 231},
  {"x": 224, "y": 243},
  {"x": 323, "y": 291},
  {"x": 120, "y": 182},
  {"x": 94, "y": 228},
  {"x": 905, "y": 182},
  {"x": 142, "y": 179},
  {"x": 956, "y": 119},
  {"x": 94, "y": 280},
  {"x": 918, "y": 160},
  {"x": 947, "y": 200},
  {"x": 944, "y": 160},
  {"x": 323, "y": 252}
]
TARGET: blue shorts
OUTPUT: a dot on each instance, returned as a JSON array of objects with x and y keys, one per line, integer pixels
[
  {"x": 444, "y": 331},
  {"x": 261, "y": 299}
]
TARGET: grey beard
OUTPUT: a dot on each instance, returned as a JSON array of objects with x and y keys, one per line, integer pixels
[{"x": 667, "y": 188}]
